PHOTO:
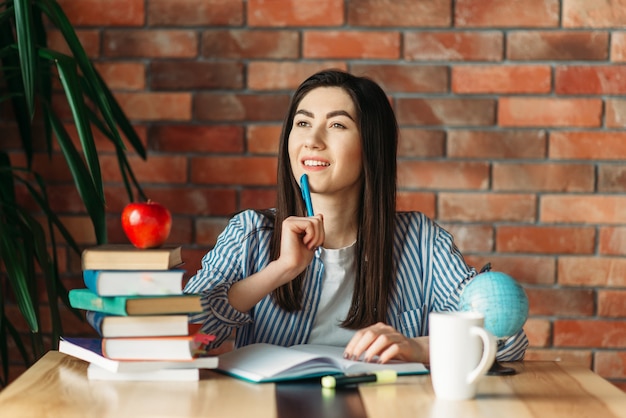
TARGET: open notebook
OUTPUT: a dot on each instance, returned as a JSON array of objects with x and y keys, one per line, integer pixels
[{"x": 271, "y": 363}]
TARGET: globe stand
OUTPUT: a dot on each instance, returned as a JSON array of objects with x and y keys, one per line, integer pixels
[{"x": 498, "y": 369}]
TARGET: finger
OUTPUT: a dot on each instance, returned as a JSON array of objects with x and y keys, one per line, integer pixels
[{"x": 360, "y": 342}]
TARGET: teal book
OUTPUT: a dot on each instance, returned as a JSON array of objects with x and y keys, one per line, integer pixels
[{"x": 134, "y": 305}]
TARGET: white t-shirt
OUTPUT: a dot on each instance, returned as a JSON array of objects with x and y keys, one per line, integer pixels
[{"x": 337, "y": 290}]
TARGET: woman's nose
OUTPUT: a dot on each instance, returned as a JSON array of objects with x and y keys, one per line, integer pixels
[{"x": 314, "y": 139}]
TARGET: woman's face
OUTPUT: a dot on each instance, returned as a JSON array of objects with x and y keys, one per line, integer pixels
[{"x": 325, "y": 142}]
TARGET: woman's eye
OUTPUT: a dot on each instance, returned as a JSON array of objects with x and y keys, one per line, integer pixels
[
  {"x": 338, "y": 125},
  {"x": 302, "y": 123}
]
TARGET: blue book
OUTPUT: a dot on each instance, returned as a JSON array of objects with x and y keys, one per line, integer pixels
[{"x": 134, "y": 282}]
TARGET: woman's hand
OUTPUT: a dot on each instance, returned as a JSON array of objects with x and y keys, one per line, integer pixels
[
  {"x": 300, "y": 238},
  {"x": 386, "y": 343}
]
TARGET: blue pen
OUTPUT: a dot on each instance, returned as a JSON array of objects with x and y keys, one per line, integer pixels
[{"x": 306, "y": 194}]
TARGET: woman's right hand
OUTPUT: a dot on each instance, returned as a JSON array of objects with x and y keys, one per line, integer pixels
[{"x": 300, "y": 238}]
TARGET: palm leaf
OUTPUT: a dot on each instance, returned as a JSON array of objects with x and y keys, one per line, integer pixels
[
  {"x": 27, "y": 51},
  {"x": 54, "y": 12},
  {"x": 94, "y": 202},
  {"x": 73, "y": 92}
]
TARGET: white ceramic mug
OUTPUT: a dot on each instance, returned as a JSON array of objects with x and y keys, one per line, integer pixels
[{"x": 461, "y": 351}]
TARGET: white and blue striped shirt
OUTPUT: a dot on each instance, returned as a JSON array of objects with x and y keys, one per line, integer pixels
[{"x": 430, "y": 274}]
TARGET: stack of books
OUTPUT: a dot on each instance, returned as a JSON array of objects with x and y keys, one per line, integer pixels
[{"x": 133, "y": 298}]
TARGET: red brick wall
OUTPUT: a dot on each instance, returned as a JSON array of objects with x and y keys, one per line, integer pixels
[{"x": 512, "y": 130}]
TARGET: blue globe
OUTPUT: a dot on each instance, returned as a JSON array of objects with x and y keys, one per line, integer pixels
[{"x": 500, "y": 299}]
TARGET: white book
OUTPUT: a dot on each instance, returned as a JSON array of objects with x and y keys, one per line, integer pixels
[
  {"x": 95, "y": 372},
  {"x": 90, "y": 350},
  {"x": 272, "y": 363}
]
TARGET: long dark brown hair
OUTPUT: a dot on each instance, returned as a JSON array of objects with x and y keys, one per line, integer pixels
[{"x": 376, "y": 217}]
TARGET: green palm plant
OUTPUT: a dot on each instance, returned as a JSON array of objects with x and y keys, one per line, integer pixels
[{"x": 29, "y": 70}]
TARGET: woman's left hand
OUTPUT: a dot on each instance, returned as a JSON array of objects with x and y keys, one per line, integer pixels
[{"x": 381, "y": 343}]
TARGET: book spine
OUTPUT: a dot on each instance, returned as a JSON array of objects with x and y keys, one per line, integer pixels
[
  {"x": 87, "y": 300},
  {"x": 90, "y": 278},
  {"x": 95, "y": 320}
]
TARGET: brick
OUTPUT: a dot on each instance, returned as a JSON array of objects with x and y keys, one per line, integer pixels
[
  {"x": 443, "y": 175},
  {"x": 167, "y": 168},
  {"x": 103, "y": 142},
  {"x": 618, "y": 46},
  {"x": 584, "y": 14},
  {"x": 612, "y": 303},
  {"x": 123, "y": 75},
  {"x": 238, "y": 44},
  {"x": 590, "y": 79},
  {"x": 539, "y": 332},
  {"x": 557, "y": 46},
  {"x": 543, "y": 177},
  {"x": 150, "y": 43},
  {"x": 509, "y": 144},
  {"x": 545, "y": 239},
  {"x": 587, "y": 145},
  {"x": 196, "y": 201},
  {"x": 510, "y": 79},
  {"x": 286, "y": 13},
  {"x": 63, "y": 198},
  {"x": 256, "y": 171},
  {"x": 353, "y": 44},
  {"x": 471, "y": 238},
  {"x": 561, "y": 302},
  {"x": 615, "y": 113},
  {"x": 263, "y": 139},
  {"x": 611, "y": 178},
  {"x": 612, "y": 240},
  {"x": 421, "y": 143},
  {"x": 610, "y": 364},
  {"x": 80, "y": 228},
  {"x": 240, "y": 107},
  {"x": 586, "y": 209},
  {"x": 445, "y": 111},
  {"x": 453, "y": 46},
  {"x": 53, "y": 168},
  {"x": 208, "y": 229},
  {"x": 196, "y": 75},
  {"x": 156, "y": 106},
  {"x": 505, "y": 13},
  {"x": 588, "y": 333},
  {"x": 270, "y": 75},
  {"x": 416, "y": 201},
  {"x": 89, "y": 40},
  {"x": 399, "y": 13},
  {"x": 258, "y": 198},
  {"x": 406, "y": 78},
  {"x": 484, "y": 207},
  {"x": 104, "y": 12},
  {"x": 195, "y": 12},
  {"x": 592, "y": 271},
  {"x": 523, "y": 268},
  {"x": 583, "y": 357},
  {"x": 197, "y": 138},
  {"x": 549, "y": 112}
]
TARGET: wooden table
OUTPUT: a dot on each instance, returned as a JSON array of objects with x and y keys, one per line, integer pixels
[{"x": 56, "y": 386}]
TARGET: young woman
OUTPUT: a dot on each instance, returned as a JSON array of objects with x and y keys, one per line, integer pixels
[{"x": 356, "y": 274}]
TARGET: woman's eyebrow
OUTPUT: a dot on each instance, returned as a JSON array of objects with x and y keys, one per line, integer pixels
[
  {"x": 339, "y": 113},
  {"x": 328, "y": 115}
]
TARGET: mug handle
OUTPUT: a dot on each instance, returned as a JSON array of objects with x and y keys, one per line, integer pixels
[{"x": 489, "y": 353}]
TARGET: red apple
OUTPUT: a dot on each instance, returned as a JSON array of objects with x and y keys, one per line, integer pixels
[{"x": 147, "y": 225}]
